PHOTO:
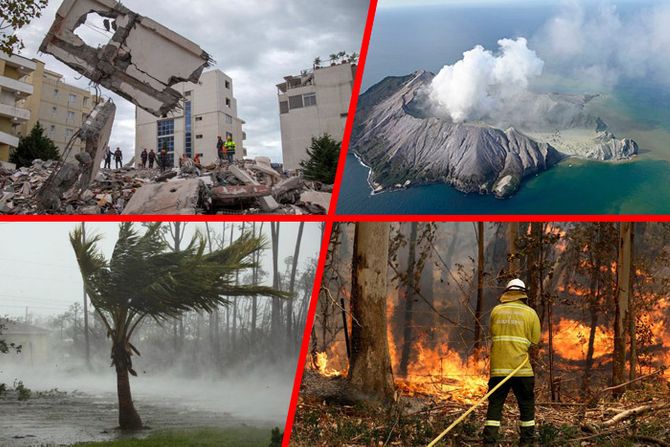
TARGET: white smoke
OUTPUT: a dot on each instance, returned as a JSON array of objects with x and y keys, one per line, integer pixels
[
  {"x": 595, "y": 44},
  {"x": 479, "y": 85}
]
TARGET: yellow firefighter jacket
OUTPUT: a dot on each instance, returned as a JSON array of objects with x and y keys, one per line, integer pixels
[{"x": 514, "y": 327}]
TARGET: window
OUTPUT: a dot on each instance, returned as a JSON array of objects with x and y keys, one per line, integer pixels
[
  {"x": 52, "y": 129},
  {"x": 228, "y": 85},
  {"x": 343, "y": 115},
  {"x": 165, "y": 131},
  {"x": 56, "y": 93},
  {"x": 72, "y": 99},
  {"x": 309, "y": 99},
  {"x": 70, "y": 117},
  {"x": 54, "y": 110},
  {"x": 229, "y": 119},
  {"x": 68, "y": 133},
  {"x": 198, "y": 118},
  {"x": 85, "y": 102},
  {"x": 283, "y": 107},
  {"x": 295, "y": 102},
  {"x": 188, "y": 135},
  {"x": 227, "y": 102},
  {"x": 188, "y": 93},
  {"x": 198, "y": 137}
]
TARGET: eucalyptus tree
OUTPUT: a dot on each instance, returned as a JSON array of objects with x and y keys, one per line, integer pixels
[{"x": 143, "y": 279}]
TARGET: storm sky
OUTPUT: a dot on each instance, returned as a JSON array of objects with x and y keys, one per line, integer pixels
[
  {"x": 40, "y": 272},
  {"x": 256, "y": 42}
]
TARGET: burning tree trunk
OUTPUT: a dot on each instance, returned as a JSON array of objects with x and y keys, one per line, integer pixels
[
  {"x": 480, "y": 289},
  {"x": 370, "y": 366},
  {"x": 624, "y": 266},
  {"x": 407, "y": 322}
]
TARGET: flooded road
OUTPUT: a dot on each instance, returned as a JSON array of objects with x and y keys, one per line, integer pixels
[{"x": 85, "y": 408}]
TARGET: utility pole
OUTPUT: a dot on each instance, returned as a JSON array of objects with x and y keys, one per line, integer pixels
[{"x": 88, "y": 346}]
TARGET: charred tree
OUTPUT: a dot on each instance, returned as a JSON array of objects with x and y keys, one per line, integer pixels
[
  {"x": 370, "y": 366},
  {"x": 407, "y": 321},
  {"x": 480, "y": 289},
  {"x": 624, "y": 282}
]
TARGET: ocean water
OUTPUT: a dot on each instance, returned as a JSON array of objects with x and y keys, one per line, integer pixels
[{"x": 411, "y": 38}]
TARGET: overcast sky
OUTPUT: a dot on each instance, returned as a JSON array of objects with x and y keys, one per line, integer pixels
[
  {"x": 39, "y": 270},
  {"x": 256, "y": 42}
]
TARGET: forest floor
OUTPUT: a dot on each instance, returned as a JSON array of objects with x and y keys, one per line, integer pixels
[{"x": 327, "y": 417}]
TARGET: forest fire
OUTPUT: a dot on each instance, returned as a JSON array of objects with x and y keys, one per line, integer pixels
[
  {"x": 321, "y": 363},
  {"x": 443, "y": 374},
  {"x": 571, "y": 339}
]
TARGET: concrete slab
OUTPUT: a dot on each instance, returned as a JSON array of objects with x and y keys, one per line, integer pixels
[
  {"x": 184, "y": 197},
  {"x": 319, "y": 199}
]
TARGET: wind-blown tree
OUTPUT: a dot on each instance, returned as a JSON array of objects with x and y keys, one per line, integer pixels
[{"x": 145, "y": 279}]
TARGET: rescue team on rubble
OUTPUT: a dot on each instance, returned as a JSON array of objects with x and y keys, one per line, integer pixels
[
  {"x": 224, "y": 149},
  {"x": 515, "y": 327}
]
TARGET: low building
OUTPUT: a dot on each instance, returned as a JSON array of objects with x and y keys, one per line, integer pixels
[
  {"x": 60, "y": 108},
  {"x": 209, "y": 111},
  {"x": 34, "y": 341},
  {"x": 13, "y": 88},
  {"x": 311, "y": 104}
]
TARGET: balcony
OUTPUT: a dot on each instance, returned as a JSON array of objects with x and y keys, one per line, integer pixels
[
  {"x": 23, "y": 66},
  {"x": 17, "y": 114},
  {"x": 6, "y": 138},
  {"x": 19, "y": 88}
]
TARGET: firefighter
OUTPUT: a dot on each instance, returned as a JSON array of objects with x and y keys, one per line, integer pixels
[
  {"x": 514, "y": 327},
  {"x": 229, "y": 147}
]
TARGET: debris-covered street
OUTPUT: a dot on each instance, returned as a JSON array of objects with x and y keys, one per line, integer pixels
[{"x": 249, "y": 187}]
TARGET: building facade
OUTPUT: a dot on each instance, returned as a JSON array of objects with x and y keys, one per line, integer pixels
[
  {"x": 60, "y": 108},
  {"x": 13, "y": 88},
  {"x": 209, "y": 111},
  {"x": 310, "y": 105}
]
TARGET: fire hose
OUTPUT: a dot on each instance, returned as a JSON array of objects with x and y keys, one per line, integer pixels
[{"x": 486, "y": 396}]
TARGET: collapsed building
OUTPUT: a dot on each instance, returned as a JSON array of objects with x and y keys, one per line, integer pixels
[{"x": 142, "y": 62}]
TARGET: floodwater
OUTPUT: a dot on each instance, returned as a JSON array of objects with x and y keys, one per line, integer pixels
[{"x": 87, "y": 411}]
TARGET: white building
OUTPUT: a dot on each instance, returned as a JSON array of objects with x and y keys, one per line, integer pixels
[
  {"x": 310, "y": 105},
  {"x": 209, "y": 111},
  {"x": 13, "y": 87}
]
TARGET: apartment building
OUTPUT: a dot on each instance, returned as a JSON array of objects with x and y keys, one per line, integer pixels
[
  {"x": 311, "y": 104},
  {"x": 60, "y": 108},
  {"x": 13, "y": 88},
  {"x": 209, "y": 111}
]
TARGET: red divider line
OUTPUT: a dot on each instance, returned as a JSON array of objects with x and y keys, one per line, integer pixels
[
  {"x": 353, "y": 103},
  {"x": 503, "y": 218},
  {"x": 309, "y": 324},
  {"x": 163, "y": 218}
]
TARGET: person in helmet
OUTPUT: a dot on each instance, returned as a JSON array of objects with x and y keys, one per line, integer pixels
[{"x": 514, "y": 327}]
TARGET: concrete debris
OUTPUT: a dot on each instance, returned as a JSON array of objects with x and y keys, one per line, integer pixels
[
  {"x": 95, "y": 133},
  {"x": 241, "y": 188},
  {"x": 141, "y": 62}
]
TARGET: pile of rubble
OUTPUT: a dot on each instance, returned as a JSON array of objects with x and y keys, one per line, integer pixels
[{"x": 245, "y": 187}]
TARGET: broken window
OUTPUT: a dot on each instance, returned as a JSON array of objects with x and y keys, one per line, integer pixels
[
  {"x": 309, "y": 99},
  {"x": 283, "y": 107},
  {"x": 295, "y": 102},
  {"x": 227, "y": 102}
]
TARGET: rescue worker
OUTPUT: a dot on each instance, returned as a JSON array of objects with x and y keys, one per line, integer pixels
[
  {"x": 229, "y": 147},
  {"x": 108, "y": 158},
  {"x": 152, "y": 158},
  {"x": 143, "y": 156},
  {"x": 163, "y": 159},
  {"x": 118, "y": 158},
  {"x": 219, "y": 149},
  {"x": 514, "y": 327}
]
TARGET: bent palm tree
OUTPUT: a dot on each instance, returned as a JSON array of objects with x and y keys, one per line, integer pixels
[{"x": 143, "y": 279}]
